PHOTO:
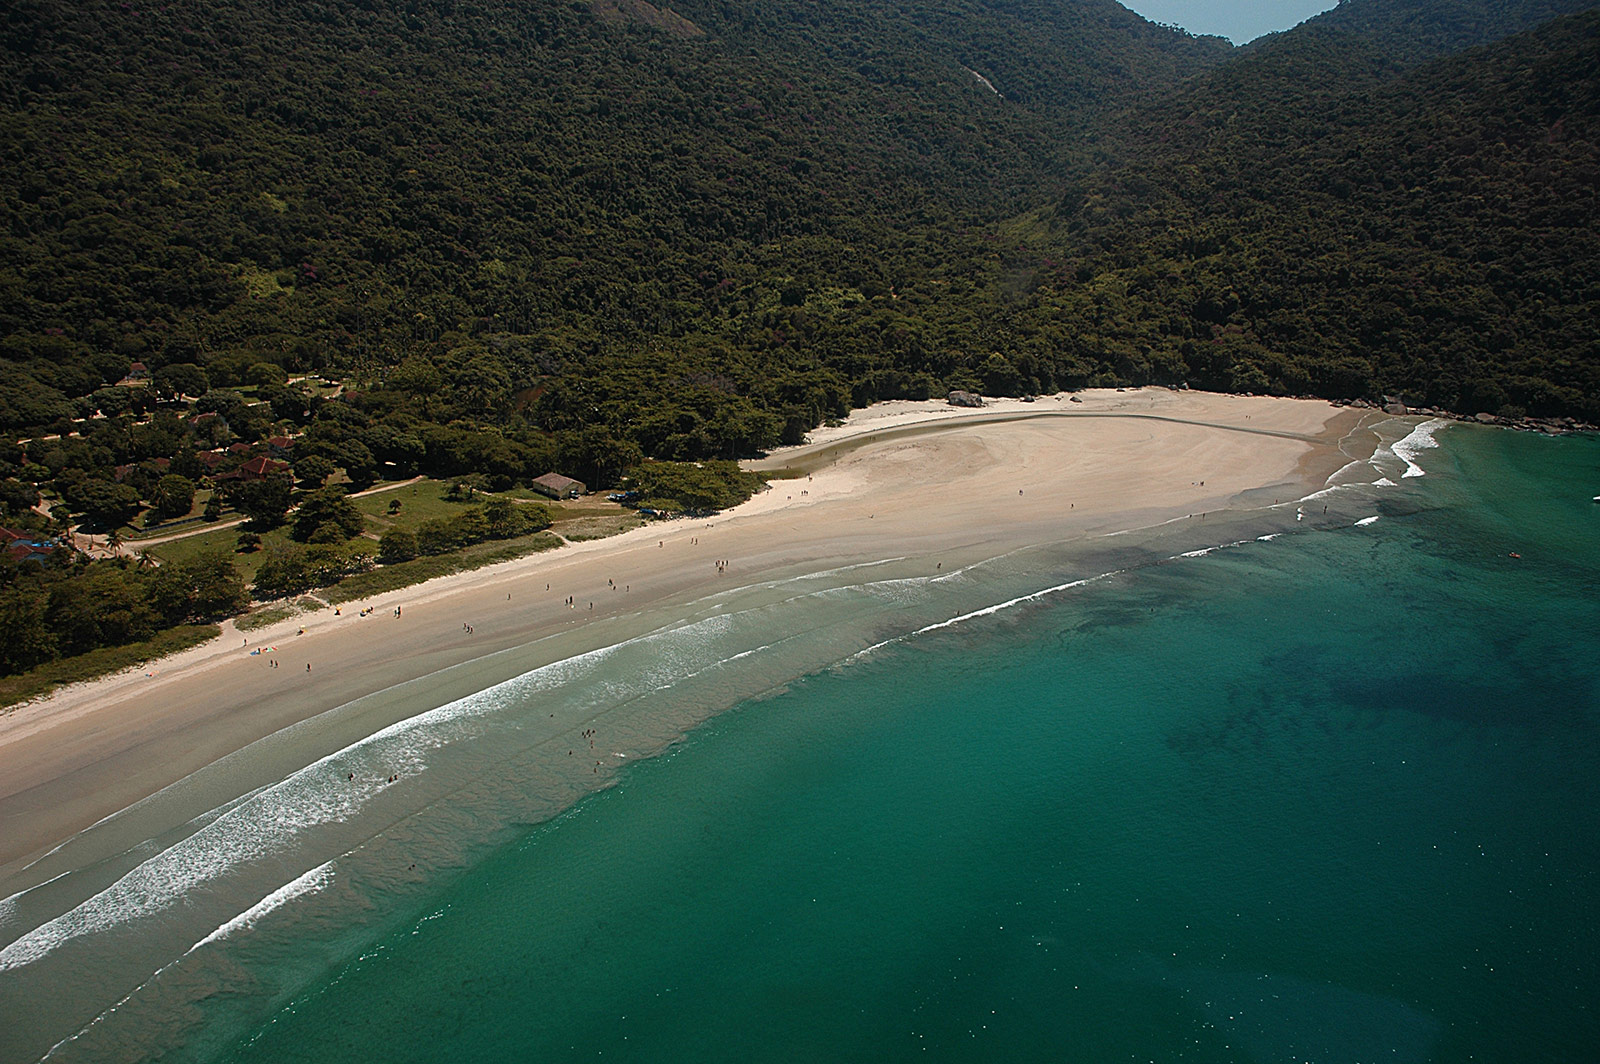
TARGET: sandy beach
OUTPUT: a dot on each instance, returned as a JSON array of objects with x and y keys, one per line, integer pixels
[{"x": 907, "y": 480}]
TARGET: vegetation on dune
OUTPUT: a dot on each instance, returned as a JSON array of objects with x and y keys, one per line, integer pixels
[
  {"x": 691, "y": 487},
  {"x": 404, "y": 574},
  {"x": 66, "y": 607},
  {"x": 97, "y": 663}
]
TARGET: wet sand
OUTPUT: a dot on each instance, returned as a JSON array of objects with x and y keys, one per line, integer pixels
[{"x": 898, "y": 480}]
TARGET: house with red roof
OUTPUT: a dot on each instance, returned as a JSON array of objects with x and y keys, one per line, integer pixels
[
  {"x": 258, "y": 468},
  {"x": 25, "y": 546}
]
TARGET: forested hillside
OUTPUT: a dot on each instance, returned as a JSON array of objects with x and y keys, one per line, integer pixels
[
  {"x": 1432, "y": 234},
  {"x": 1414, "y": 31},
  {"x": 592, "y": 227},
  {"x": 540, "y": 187}
]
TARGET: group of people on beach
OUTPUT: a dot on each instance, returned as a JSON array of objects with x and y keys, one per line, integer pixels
[{"x": 571, "y": 602}]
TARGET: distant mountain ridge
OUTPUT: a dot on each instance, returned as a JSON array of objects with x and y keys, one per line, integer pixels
[{"x": 1415, "y": 31}]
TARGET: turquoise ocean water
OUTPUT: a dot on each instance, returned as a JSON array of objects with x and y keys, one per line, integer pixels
[{"x": 1315, "y": 788}]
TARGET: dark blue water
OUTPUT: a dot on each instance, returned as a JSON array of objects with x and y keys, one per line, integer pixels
[{"x": 1330, "y": 797}]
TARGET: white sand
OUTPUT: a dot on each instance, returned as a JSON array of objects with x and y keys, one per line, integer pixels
[{"x": 899, "y": 479}]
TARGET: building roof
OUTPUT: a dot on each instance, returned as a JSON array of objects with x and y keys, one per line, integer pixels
[
  {"x": 557, "y": 482},
  {"x": 24, "y": 546},
  {"x": 260, "y": 467}
]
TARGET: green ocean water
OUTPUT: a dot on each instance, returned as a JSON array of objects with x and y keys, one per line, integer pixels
[
  {"x": 1332, "y": 797},
  {"x": 1329, "y": 794}
]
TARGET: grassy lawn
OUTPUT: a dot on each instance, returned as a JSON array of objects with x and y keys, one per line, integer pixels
[
  {"x": 418, "y": 503},
  {"x": 317, "y": 386},
  {"x": 102, "y": 662},
  {"x": 529, "y": 495},
  {"x": 590, "y": 517},
  {"x": 190, "y": 547}
]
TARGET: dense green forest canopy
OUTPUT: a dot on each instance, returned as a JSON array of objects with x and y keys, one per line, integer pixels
[
  {"x": 1432, "y": 235},
  {"x": 534, "y": 189},
  {"x": 587, "y": 232},
  {"x": 1409, "y": 32}
]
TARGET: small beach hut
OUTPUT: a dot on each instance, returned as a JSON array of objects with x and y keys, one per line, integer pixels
[{"x": 557, "y": 486}]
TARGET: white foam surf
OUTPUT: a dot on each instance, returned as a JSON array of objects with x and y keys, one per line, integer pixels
[
  {"x": 1338, "y": 476},
  {"x": 270, "y": 820},
  {"x": 986, "y": 611},
  {"x": 1418, "y": 440},
  {"x": 307, "y": 883},
  {"x": 1035, "y": 596},
  {"x": 1325, "y": 493}
]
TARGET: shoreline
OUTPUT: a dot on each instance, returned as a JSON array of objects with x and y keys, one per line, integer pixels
[{"x": 903, "y": 479}]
